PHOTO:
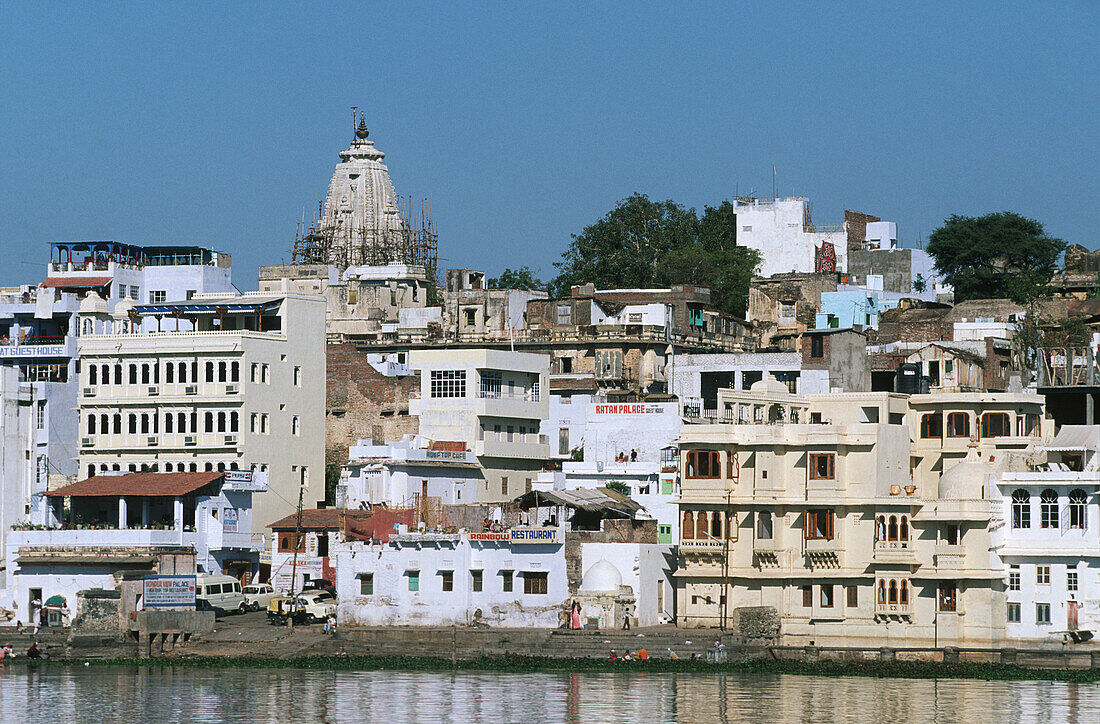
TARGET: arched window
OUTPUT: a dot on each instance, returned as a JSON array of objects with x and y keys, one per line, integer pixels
[
  {"x": 1077, "y": 510},
  {"x": 133, "y": 374},
  {"x": 209, "y": 371},
  {"x": 144, "y": 423},
  {"x": 893, "y": 592},
  {"x": 131, "y": 423},
  {"x": 182, "y": 366},
  {"x": 881, "y": 591},
  {"x": 233, "y": 466},
  {"x": 102, "y": 468},
  {"x": 880, "y": 528},
  {"x": 87, "y": 326},
  {"x": 221, "y": 422},
  {"x": 168, "y": 467},
  {"x": 958, "y": 424},
  {"x": 118, "y": 374},
  {"x": 931, "y": 425},
  {"x": 194, "y": 467},
  {"x": 687, "y": 527},
  {"x": 168, "y": 422},
  {"x": 209, "y": 467},
  {"x": 104, "y": 424},
  {"x": 169, "y": 373},
  {"x": 1021, "y": 508},
  {"x": 145, "y": 374},
  {"x": 903, "y": 533},
  {"x": 116, "y": 424},
  {"x": 1048, "y": 509},
  {"x": 93, "y": 375},
  {"x": 235, "y": 372},
  {"x": 234, "y": 421},
  {"x": 209, "y": 419},
  {"x": 221, "y": 467},
  {"x": 116, "y": 467},
  {"x": 145, "y": 467},
  {"x": 132, "y": 467},
  {"x": 105, "y": 374},
  {"x": 892, "y": 530},
  {"x": 195, "y": 371},
  {"x": 181, "y": 422},
  {"x": 91, "y": 425},
  {"x": 903, "y": 598},
  {"x": 221, "y": 372},
  {"x": 716, "y": 525},
  {"x": 701, "y": 526},
  {"x": 91, "y": 469}
]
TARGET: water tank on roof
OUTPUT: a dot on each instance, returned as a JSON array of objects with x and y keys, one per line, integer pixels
[{"x": 908, "y": 378}]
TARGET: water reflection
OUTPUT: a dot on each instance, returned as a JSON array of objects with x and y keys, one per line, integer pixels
[{"x": 105, "y": 695}]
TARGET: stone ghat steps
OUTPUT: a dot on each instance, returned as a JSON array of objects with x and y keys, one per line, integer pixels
[{"x": 466, "y": 643}]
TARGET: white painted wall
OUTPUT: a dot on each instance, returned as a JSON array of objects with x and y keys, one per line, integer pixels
[
  {"x": 394, "y": 604},
  {"x": 643, "y": 566}
]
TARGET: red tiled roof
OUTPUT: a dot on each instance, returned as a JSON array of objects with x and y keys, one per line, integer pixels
[
  {"x": 76, "y": 282},
  {"x": 137, "y": 484},
  {"x": 319, "y": 519}
]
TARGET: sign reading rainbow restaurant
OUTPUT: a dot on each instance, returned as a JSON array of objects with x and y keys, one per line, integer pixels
[{"x": 521, "y": 536}]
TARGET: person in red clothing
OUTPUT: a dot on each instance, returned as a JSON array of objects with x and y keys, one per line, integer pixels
[{"x": 612, "y": 656}]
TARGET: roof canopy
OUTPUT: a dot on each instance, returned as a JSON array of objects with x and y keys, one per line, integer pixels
[
  {"x": 587, "y": 499},
  {"x": 1075, "y": 438},
  {"x": 234, "y": 305},
  {"x": 137, "y": 484},
  {"x": 319, "y": 519},
  {"x": 77, "y": 282}
]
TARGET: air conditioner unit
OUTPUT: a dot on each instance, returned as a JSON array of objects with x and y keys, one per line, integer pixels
[
  {"x": 188, "y": 439},
  {"x": 154, "y": 390},
  {"x": 151, "y": 441},
  {"x": 230, "y": 439},
  {"x": 191, "y": 390},
  {"x": 89, "y": 392},
  {"x": 231, "y": 389},
  {"x": 87, "y": 441}
]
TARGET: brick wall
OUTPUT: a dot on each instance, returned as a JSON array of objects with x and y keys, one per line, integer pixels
[{"x": 363, "y": 404}]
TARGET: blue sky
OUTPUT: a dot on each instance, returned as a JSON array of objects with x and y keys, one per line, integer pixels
[{"x": 215, "y": 124}]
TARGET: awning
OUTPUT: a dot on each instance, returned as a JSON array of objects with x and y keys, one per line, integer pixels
[
  {"x": 213, "y": 306},
  {"x": 77, "y": 282},
  {"x": 582, "y": 498},
  {"x": 1075, "y": 438},
  {"x": 137, "y": 484}
]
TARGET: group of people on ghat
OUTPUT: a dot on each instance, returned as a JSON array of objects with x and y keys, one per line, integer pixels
[
  {"x": 642, "y": 655},
  {"x": 7, "y": 654}
]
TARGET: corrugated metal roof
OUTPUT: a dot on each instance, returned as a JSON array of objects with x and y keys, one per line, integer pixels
[{"x": 589, "y": 499}]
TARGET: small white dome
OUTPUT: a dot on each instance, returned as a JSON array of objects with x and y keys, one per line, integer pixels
[
  {"x": 770, "y": 386},
  {"x": 93, "y": 303},
  {"x": 603, "y": 576}
]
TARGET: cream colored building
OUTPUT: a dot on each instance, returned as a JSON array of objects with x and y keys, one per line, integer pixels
[
  {"x": 838, "y": 517},
  {"x": 245, "y": 391},
  {"x": 492, "y": 400}
]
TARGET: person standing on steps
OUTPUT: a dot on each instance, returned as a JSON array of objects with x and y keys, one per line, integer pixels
[{"x": 626, "y": 621}]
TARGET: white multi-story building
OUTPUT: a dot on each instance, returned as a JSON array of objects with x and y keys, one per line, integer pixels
[
  {"x": 787, "y": 239},
  {"x": 245, "y": 390},
  {"x": 403, "y": 473},
  {"x": 119, "y": 524},
  {"x": 38, "y": 331},
  {"x": 495, "y": 402},
  {"x": 17, "y": 436},
  {"x": 1049, "y": 539}
]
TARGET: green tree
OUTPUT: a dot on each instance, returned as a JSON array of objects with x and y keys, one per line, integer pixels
[
  {"x": 332, "y": 477},
  {"x": 522, "y": 278},
  {"x": 997, "y": 255},
  {"x": 619, "y": 487},
  {"x": 642, "y": 243}
]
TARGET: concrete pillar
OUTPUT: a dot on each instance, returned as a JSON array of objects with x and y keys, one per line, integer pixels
[
  {"x": 177, "y": 517},
  {"x": 122, "y": 512},
  {"x": 144, "y": 512}
]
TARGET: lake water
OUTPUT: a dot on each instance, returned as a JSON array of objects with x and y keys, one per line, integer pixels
[{"x": 194, "y": 696}]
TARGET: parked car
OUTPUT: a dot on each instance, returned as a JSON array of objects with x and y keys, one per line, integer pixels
[
  {"x": 258, "y": 595},
  {"x": 221, "y": 592},
  {"x": 307, "y": 607},
  {"x": 319, "y": 584}
]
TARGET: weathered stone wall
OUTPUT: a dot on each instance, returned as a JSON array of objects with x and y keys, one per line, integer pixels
[
  {"x": 364, "y": 404},
  {"x": 756, "y": 622},
  {"x": 97, "y": 610},
  {"x": 894, "y": 265}
]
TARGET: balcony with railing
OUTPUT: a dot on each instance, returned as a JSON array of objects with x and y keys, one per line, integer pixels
[
  {"x": 895, "y": 551},
  {"x": 512, "y": 445}
]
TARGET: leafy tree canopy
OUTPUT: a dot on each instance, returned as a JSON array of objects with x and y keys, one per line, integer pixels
[
  {"x": 522, "y": 278},
  {"x": 994, "y": 256},
  {"x": 643, "y": 243}
]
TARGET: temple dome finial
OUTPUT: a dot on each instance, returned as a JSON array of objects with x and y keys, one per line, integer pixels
[{"x": 361, "y": 131}]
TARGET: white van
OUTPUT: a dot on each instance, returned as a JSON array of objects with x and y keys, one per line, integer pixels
[{"x": 222, "y": 592}]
